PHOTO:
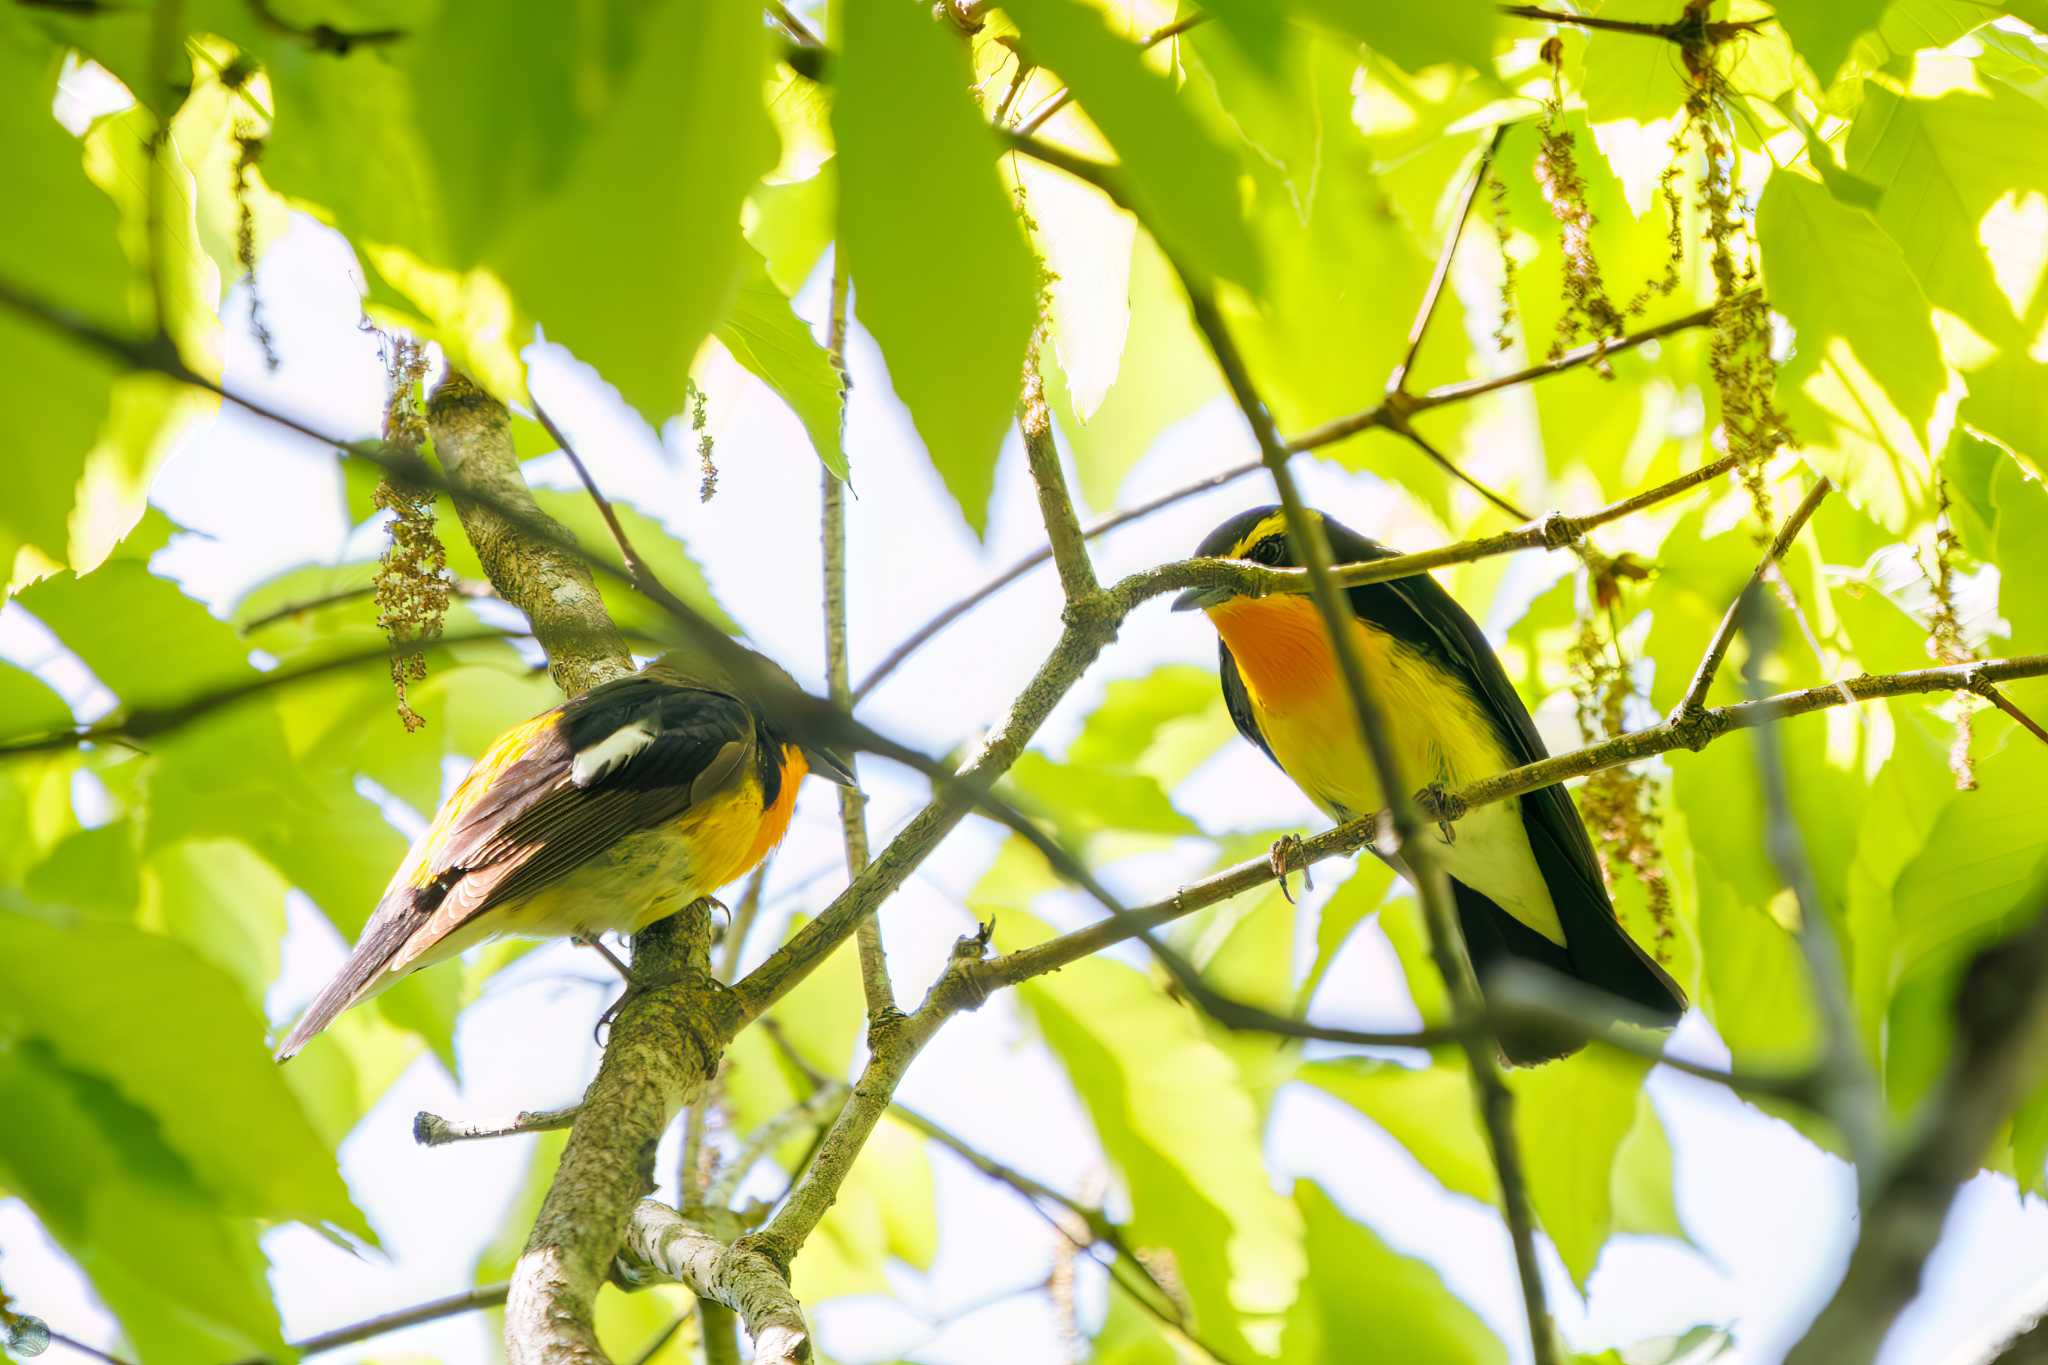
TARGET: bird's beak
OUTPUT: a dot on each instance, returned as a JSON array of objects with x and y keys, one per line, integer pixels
[
  {"x": 1201, "y": 599},
  {"x": 830, "y": 766}
]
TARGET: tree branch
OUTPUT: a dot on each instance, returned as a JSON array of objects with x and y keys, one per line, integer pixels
[
  {"x": 1695, "y": 698},
  {"x": 1065, "y": 94},
  {"x": 550, "y": 584},
  {"x": 922, "y": 636},
  {"x": 1850, "y": 1095},
  {"x": 467, "y": 1301},
  {"x": 2001, "y": 1021},
  {"x": 853, "y": 824},
  {"x": 1397, "y": 382},
  {"x": 1694, "y": 28},
  {"x": 661, "y": 1244}
]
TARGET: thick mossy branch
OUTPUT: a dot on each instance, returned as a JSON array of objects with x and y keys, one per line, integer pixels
[
  {"x": 550, "y": 583},
  {"x": 661, "y": 1244}
]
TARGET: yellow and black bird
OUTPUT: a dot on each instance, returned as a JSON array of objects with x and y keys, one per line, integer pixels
[
  {"x": 1523, "y": 871},
  {"x": 606, "y": 813}
]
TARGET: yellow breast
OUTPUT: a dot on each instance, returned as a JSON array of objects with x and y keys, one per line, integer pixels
[
  {"x": 1289, "y": 670},
  {"x": 1441, "y": 734}
]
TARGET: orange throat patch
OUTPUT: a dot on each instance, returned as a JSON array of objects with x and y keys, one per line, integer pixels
[{"x": 1283, "y": 653}]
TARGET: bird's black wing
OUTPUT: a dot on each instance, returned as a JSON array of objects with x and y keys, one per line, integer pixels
[
  {"x": 1418, "y": 612},
  {"x": 553, "y": 793},
  {"x": 1239, "y": 703}
]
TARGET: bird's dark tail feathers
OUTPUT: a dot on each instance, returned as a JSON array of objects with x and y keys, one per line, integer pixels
[
  {"x": 358, "y": 978},
  {"x": 1608, "y": 962}
]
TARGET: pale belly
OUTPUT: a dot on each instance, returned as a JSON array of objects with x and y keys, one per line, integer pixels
[{"x": 1439, "y": 737}]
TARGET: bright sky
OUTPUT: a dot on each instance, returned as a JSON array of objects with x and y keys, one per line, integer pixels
[{"x": 1769, "y": 1213}]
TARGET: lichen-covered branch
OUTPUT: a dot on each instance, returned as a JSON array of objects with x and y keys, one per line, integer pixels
[
  {"x": 872, "y": 1093},
  {"x": 549, "y": 583},
  {"x": 662, "y": 1052},
  {"x": 661, "y": 1244}
]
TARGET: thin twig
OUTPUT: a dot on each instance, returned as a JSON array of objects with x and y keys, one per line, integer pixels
[
  {"x": 635, "y": 565},
  {"x": 1691, "y": 29},
  {"x": 1397, "y": 382},
  {"x": 460, "y": 587},
  {"x": 2005, "y": 704},
  {"x": 431, "y": 1130},
  {"x": 853, "y": 820},
  {"x": 467, "y": 1301},
  {"x": 1065, "y": 93},
  {"x": 1850, "y": 1097},
  {"x": 796, "y": 28},
  {"x": 1695, "y": 698},
  {"x": 922, "y": 636}
]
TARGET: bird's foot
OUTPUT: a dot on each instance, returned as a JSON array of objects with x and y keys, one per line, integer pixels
[
  {"x": 1286, "y": 848},
  {"x": 1439, "y": 805}
]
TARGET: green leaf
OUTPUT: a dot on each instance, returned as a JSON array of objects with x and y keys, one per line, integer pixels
[
  {"x": 1140, "y": 1065},
  {"x": 793, "y": 225},
  {"x": 64, "y": 254},
  {"x": 1572, "y": 1117},
  {"x": 1363, "y": 892},
  {"x": 1643, "y": 1199},
  {"x": 75, "y": 988},
  {"x": 1942, "y": 168},
  {"x": 1362, "y": 1290},
  {"x": 1824, "y": 30},
  {"x": 1417, "y": 36},
  {"x": 185, "y": 1277},
  {"x": 2010, "y": 505},
  {"x": 1428, "y": 1110},
  {"x": 769, "y": 340},
  {"x": 940, "y": 272},
  {"x": 1166, "y": 374},
  {"x": 1184, "y": 185},
  {"x": 138, "y": 634},
  {"x": 1866, "y": 371},
  {"x": 665, "y": 248},
  {"x": 1089, "y": 799}
]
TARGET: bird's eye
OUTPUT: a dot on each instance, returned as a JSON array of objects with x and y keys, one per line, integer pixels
[{"x": 1269, "y": 550}]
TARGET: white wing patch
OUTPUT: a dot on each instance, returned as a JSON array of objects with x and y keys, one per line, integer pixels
[{"x": 605, "y": 756}]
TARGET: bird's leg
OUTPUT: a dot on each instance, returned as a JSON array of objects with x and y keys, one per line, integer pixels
[
  {"x": 597, "y": 941},
  {"x": 1439, "y": 805},
  {"x": 1286, "y": 847}
]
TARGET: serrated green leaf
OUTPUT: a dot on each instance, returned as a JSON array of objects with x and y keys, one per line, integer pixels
[
  {"x": 65, "y": 254},
  {"x": 1140, "y": 1063},
  {"x": 1428, "y": 1110},
  {"x": 665, "y": 252},
  {"x": 1824, "y": 30},
  {"x": 75, "y": 988},
  {"x": 940, "y": 272},
  {"x": 98, "y": 1174},
  {"x": 771, "y": 342},
  {"x": 1362, "y": 1290},
  {"x": 1183, "y": 183},
  {"x": 1941, "y": 168},
  {"x": 1572, "y": 1117},
  {"x": 1166, "y": 374},
  {"x": 1417, "y": 36},
  {"x": 1866, "y": 370}
]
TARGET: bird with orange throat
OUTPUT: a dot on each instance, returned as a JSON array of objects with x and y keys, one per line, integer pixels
[{"x": 1522, "y": 871}]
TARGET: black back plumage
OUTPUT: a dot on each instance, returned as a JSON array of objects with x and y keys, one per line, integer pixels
[{"x": 1418, "y": 612}]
